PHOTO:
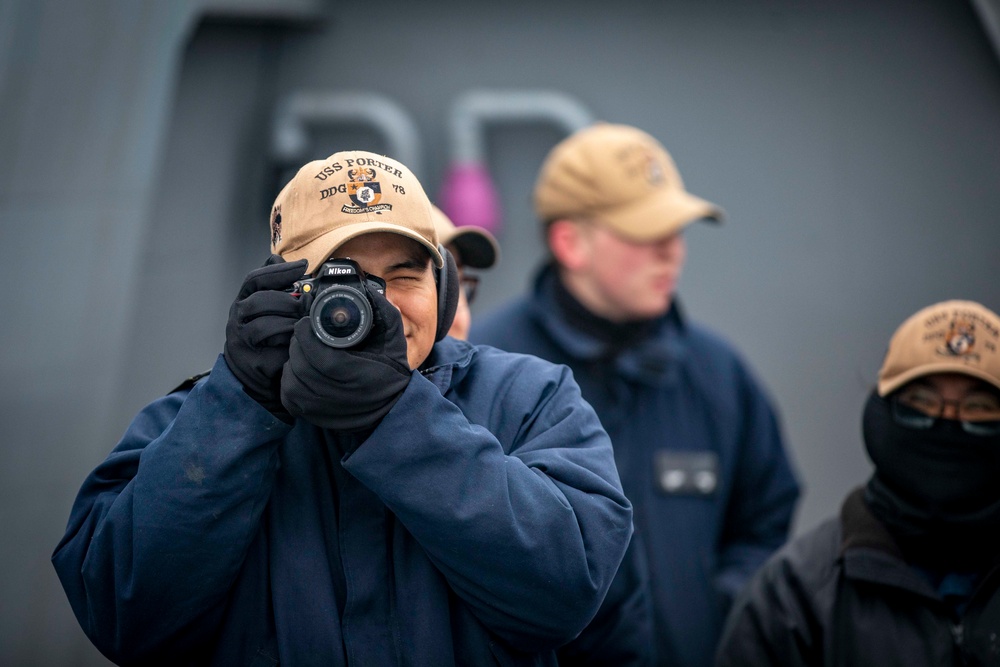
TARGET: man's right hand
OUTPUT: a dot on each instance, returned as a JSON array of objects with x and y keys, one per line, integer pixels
[{"x": 261, "y": 322}]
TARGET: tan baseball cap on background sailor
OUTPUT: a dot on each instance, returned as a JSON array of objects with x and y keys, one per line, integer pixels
[
  {"x": 619, "y": 176},
  {"x": 329, "y": 202},
  {"x": 477, "y": 247},
  {"x": 947, "y": 337}
]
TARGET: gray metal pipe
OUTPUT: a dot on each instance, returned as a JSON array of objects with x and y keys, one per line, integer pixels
[
  {"x": 468, "y": 194},
  {"x": 989, "y": 16},
  {"x": 295, "y": 115},
  {"x": 476, "y": 108}
]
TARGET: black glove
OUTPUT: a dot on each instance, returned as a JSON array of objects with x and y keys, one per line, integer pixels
[
  {"x": 347, "y": 389},
  {"x": 261, "y": 321}
]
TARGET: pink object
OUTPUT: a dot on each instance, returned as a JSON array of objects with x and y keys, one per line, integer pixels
[{"x": 468, "y": 197}]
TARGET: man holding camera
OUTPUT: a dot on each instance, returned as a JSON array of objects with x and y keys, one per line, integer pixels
[
  {"x": 341, "y": 497},
  {"x": 696, "y": 440}
]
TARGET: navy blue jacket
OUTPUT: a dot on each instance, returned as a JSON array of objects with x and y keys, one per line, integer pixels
[
  {"x": 698, "y": 448},
  {"x": 481, "y": 522}
]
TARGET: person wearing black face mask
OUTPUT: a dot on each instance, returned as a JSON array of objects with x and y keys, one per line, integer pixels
[{"x": 909, "y": 573}]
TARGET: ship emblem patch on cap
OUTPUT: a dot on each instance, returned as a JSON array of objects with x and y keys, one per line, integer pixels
[
  {"x": 640, "y": 163},
  {"x": 275, "y": 225},
  {"x": 961, "y": 338},
  {"x": 364, "y": 191},
  {"x": 654, "y": 170}
]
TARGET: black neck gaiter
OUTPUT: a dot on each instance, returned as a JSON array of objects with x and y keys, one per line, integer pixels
[
  {"x": 937, "y": 491},
  {"x": 614, "y": 335}
]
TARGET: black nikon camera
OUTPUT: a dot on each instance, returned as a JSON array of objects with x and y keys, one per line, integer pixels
[{"x": 339, "y": 301}]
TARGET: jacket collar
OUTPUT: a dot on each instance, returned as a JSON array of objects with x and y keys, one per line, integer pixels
[
  {"x": 649, "y": 361},
  {"x": 861, "y": 529},
  {"x": 447, "y": 356},
  {"x": 869, "y": 552}
]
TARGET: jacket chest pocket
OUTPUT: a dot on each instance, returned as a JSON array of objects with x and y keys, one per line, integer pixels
[{"x": 686, "y": 473}]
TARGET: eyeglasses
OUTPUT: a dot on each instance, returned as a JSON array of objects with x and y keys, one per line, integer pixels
[
  {"x": 920, "y": 407},
  {"x": 469, "y": 285}
]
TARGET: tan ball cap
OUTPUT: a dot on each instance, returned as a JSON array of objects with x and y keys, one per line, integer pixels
[
  {"x": 948, "y": 337},
  {"x": 350, "y": 193},
  {"x": 619, "y": 176}
]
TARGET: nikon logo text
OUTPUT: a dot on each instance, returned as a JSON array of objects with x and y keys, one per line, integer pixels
[{"x": 339, "y": 271}]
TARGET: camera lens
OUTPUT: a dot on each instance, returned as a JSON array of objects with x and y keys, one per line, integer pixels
[{"x": 341, "y": 316}]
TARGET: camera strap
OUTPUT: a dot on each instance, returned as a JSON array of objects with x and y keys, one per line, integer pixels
[{"x": 190, "y": 382}]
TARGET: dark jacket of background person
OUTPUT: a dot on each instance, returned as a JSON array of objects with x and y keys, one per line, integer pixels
[
  {"x": 909, "y": 572},
  {"x": 679, "y": 400},
  {"x": 842, "y": 595},
  {"x": 253, "y": 541}
]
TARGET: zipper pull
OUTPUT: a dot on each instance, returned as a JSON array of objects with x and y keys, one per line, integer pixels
[{"x": 958, "y": 634}]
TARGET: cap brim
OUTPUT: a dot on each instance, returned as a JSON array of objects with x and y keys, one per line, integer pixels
[
  {"x": 658, "y": 216},
  {"x": 889, "y": 385},
  {"x": 476, "y": 246},
  {"x": 323, "y": 246}
]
